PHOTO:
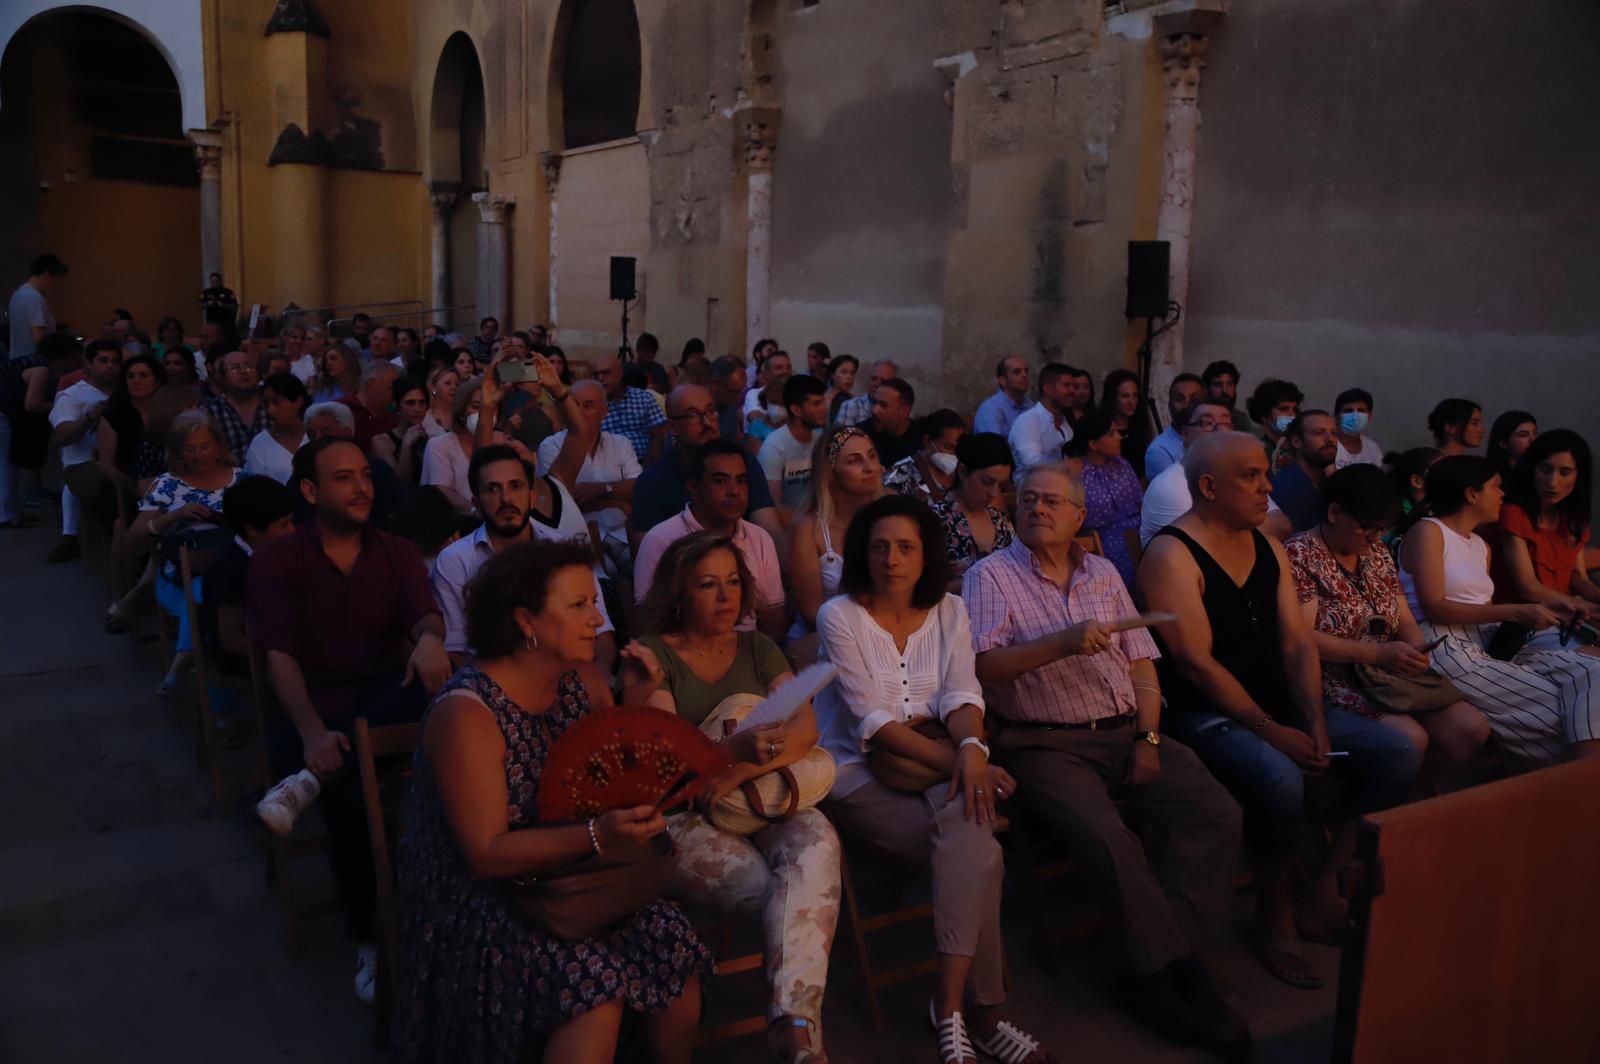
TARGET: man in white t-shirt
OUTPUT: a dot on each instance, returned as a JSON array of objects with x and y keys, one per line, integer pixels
[
  {"x": 1352, "y": 412},
  {"x": 604, "y": 486},
  {"x": 777, "y": 369},
  {"x": 1039, "y": 433},
  {"x": 503, "y": 492},
  {"x": 29, "y": 309},
  {"x": 785, "y": 455},
  {"x": 74, "y": 419},
  {"x": 1167, "y": 497}
]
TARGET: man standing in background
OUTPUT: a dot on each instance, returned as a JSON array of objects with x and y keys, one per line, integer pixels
[{"x": 29, "y": 309}]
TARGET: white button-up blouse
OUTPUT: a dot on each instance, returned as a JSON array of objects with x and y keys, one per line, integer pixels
[{"x": 877, "y": 683}]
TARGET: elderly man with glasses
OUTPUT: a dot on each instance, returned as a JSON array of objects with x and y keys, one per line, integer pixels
[{"x": 662, "y": 490}]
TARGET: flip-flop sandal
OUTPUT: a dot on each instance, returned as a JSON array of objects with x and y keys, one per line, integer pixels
[
  {"x": 1010, "y": 1044},
  {"x": 1286, "y": 966},
  {"x": 954, "y": 1043}
]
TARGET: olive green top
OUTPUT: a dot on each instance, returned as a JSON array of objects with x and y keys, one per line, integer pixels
[{"x": 756, "y": 663}]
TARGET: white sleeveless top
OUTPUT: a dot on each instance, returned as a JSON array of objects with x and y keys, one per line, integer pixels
[
  {"x": 1466, "y": 570},
  {"x": 831, "y": 565}
]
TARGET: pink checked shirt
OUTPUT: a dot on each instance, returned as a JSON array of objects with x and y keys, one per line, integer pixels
[{"x": 1010, "y": 601}]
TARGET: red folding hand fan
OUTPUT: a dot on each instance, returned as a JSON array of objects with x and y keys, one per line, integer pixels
[{"x": 625, "y": 756}]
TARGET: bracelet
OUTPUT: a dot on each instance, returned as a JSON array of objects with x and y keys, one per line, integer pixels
[
  {"x": 1146, "y": 687},
  {"x": 1262, "y": 723},
  {"x": 594, "y": 840},
  {"x": 562, "y": 397}
]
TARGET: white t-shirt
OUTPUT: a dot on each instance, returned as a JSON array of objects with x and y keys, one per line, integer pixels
[
  {"x": 1371, "y": 453},
  {"x": 269, "y": 458},
  {"x": 784, "y": 458},
  {"x": 1166, "y": 499},
  {"x": 1035, "y": 439},
  {"x": 28, "y": 310},
  {"x": 613, "y": 460},
  {"x": 71, "y": 405},
  {"x": 444, "y": 463}
]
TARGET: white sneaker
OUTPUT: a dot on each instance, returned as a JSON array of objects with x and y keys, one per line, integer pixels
[
  {"x": 289, "y": 797},
  {"x": 366, "y": 971}
]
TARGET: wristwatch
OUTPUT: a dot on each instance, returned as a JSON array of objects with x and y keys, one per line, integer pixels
[
  {"x": 973, "y": 740},
  {"x": 608, "y": 489},
  {"x": 1151, "y": 737}
]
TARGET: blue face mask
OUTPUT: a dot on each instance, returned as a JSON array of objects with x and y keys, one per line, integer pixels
[
  {"x": 1353, "y": 422},
  {"x": 1281, "y": 423}
]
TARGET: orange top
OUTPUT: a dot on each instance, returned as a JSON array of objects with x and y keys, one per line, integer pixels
[{"x": 1555, "y": 554}]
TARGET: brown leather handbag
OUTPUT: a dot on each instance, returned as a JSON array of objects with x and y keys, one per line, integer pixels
[
  {"x": 589, "y": 896},
  {"x": 904, "y": 774},
  {"x": 1406, "y": 692}
]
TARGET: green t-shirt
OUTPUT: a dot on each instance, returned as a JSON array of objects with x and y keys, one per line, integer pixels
[{"x": 756, "y": 663}]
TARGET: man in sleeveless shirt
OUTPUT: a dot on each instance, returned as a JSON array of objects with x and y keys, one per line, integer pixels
[
  {"x": 1076, "y": 708},
  {"x": 1243, "y": 678}
]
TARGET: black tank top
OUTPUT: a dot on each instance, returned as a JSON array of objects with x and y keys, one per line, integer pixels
[{"x": 1244, "y": 632}]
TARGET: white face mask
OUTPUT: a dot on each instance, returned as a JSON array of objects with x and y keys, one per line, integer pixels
[
  {"x": 472, "y": 423},
  {"x": 944, "y": 463},
  {"x": 776, "y": 414},
  {"x": 1281, "y": 423}
]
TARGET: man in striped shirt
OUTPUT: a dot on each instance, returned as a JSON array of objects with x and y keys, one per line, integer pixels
[{"x": 1076, "y": 709}]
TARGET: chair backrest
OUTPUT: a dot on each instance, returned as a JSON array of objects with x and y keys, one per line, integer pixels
[
  {"x": 384, "y": 756},
  {"x": 1090, "y": 541}
]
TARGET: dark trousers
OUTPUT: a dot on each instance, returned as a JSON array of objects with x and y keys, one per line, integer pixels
[
  {"x": 1073, "y": 780},
  {"x": 349, "y": 848}
]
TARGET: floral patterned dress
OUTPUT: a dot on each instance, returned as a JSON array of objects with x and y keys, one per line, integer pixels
[
  {"x": 1347, "y": 605},
  {"x": 480, "y": 985},
  {"x": 959, "y": 543},
  {"x": 1113, "y": 499}
]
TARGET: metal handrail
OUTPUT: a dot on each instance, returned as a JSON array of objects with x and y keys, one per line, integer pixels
[
  {"x": 334, "y": 324},
  {"x": 355, "y": 306}
]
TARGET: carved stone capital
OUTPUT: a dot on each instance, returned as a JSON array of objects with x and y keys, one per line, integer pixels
[
  {"x": 209, "y": 156},
  {"x": 492, "y": 206},
  {"x": 1183, "y": 60},
  {"x": 551, "y": 161},
  {"x": 760, "y": 141},
  {"x": 297, "y": 16},
  {"x": 442, "y": 194}
]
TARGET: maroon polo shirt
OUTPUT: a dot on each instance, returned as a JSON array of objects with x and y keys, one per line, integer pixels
[
  {"x": 369, "y": 424},
  {"x": 349, "y": 634}
]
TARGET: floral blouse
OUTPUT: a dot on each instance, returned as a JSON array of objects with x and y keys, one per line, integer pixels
[
  {"x": 171, "y": 492},
  {"x": 959, "y": 543},
  {"x": 905, "y": 478},
  {"x": 1347, "y": 605}
]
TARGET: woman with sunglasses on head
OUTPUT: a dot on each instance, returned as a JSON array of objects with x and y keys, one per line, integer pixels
[
  {"x": 907, "y": 688},
  {"x": 1113, "y": 498},
  {"x": 1543, "y": 531},
  {"x": 788, "y": 872}
]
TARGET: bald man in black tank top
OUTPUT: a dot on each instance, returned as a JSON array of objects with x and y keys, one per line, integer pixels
[{"x": 1240, "y": 669}]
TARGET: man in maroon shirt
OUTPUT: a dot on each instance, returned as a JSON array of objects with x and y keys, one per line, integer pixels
[
  {"x": 371, "y": 401},
  {"x": 349, "y": 626}
]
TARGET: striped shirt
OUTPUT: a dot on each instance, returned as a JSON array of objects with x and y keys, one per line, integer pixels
[{"x": 1011, "y": 601}]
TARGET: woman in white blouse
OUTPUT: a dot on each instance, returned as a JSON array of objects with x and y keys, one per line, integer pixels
[
  {"x": 903, "y": 648},
  {"x": 271, "y": 452},
  {"x": 447, "y": 456}
]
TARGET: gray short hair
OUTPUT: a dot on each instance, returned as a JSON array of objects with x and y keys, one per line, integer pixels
[
  {"x": 1060, "y": 469},
  {"x": 338, "y": 411},
  {"x": 378, "y": 368}
]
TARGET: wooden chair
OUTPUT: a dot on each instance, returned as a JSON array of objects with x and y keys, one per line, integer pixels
[
  {"x": 278, "y": 851},
  {"x": 727, "y": 965},
  {"x": 862, "y": 925},
  {"x": 385, "y": 757},
  {"x": 208, "y": 738},
  {"x": 1090, "y": 541},
  {"x": 1130, "y": 540}
]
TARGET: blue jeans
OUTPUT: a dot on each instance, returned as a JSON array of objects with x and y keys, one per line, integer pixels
[
  {"x": 1271, "y": 788},
  {"x": 169, "y": 595}
]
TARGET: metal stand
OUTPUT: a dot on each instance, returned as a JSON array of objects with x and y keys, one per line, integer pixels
[
  {"x": 1146, "y": 353},
  {"x": 625, "y": 352}
]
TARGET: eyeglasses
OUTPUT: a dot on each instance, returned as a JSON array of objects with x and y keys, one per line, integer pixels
[{"x": 709, "y": 415}]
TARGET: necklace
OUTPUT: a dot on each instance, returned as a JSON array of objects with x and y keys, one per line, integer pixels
[{"x": 719, "y": 644}]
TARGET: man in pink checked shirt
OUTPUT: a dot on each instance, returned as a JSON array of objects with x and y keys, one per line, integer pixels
[{"x": 1076, "y": 709}]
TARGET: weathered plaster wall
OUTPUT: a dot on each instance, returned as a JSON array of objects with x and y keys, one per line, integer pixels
[
  {"x": 1402, "y": 198},
  {"x": 861, "y": 185}
]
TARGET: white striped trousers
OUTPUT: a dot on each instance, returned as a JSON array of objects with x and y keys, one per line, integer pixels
[{"x": 1539, "y": 703}]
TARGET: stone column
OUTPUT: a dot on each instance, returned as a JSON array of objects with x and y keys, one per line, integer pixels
[
  {"x": 494, "y": 256},
  {"x": 208, "y": 153},
  {"x": 760, "y": 142},
  {"x": 442, "y": 195},
  {"x": 1183, "y": 39},
  {"x": 551, "y": 161}
]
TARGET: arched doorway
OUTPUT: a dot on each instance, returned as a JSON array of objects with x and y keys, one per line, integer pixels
[
  {"x": 457, "y": 170},
  {"x": 99, "y": 170}
]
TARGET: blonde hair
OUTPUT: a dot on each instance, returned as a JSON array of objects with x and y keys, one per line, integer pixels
[
  {"x": 818, "y": 498},
  {"x": 187, "y": 424}
]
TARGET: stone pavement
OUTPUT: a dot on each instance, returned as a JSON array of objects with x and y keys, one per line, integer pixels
[{"x": 136, "y": 925}]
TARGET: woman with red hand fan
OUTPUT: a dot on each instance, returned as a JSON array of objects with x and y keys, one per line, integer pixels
[
  {"x": 482, "y": 984},
  {"x": 904, "y": 723},
  {"x": 788, "y": 871}
]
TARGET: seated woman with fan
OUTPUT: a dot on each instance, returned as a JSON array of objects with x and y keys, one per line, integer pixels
[
  {"x": 751, "y": 861},
  {"x": 904, "y": 723},
  {"x": 484, "y": 984}
]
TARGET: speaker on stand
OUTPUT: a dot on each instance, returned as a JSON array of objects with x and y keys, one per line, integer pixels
[
  {"x": 624, "y": 287},
  {"x": 1149, "y": 263}
]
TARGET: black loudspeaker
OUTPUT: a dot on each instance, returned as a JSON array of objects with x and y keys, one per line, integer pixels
[
  {"x": 1148, "y": 264},
  {"x": 622, "y": 279}
]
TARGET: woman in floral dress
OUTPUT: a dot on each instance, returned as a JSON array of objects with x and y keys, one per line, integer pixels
[
  {"x": 1111, "y": 491},
  {"x": 972, "y": 513},
  {"x": 480, "y": 984}
]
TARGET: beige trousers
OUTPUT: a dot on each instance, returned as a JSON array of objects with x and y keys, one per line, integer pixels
[{"x": 922, "y": 830}]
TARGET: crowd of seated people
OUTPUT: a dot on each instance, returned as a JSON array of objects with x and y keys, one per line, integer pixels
[{"x": 483, "y": 537}]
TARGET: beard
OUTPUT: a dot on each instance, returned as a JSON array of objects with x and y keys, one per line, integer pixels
[{"x": 506, "y": 528}]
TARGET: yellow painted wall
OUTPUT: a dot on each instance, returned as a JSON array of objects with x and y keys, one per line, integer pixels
[{"x": 604, "y": 210}]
